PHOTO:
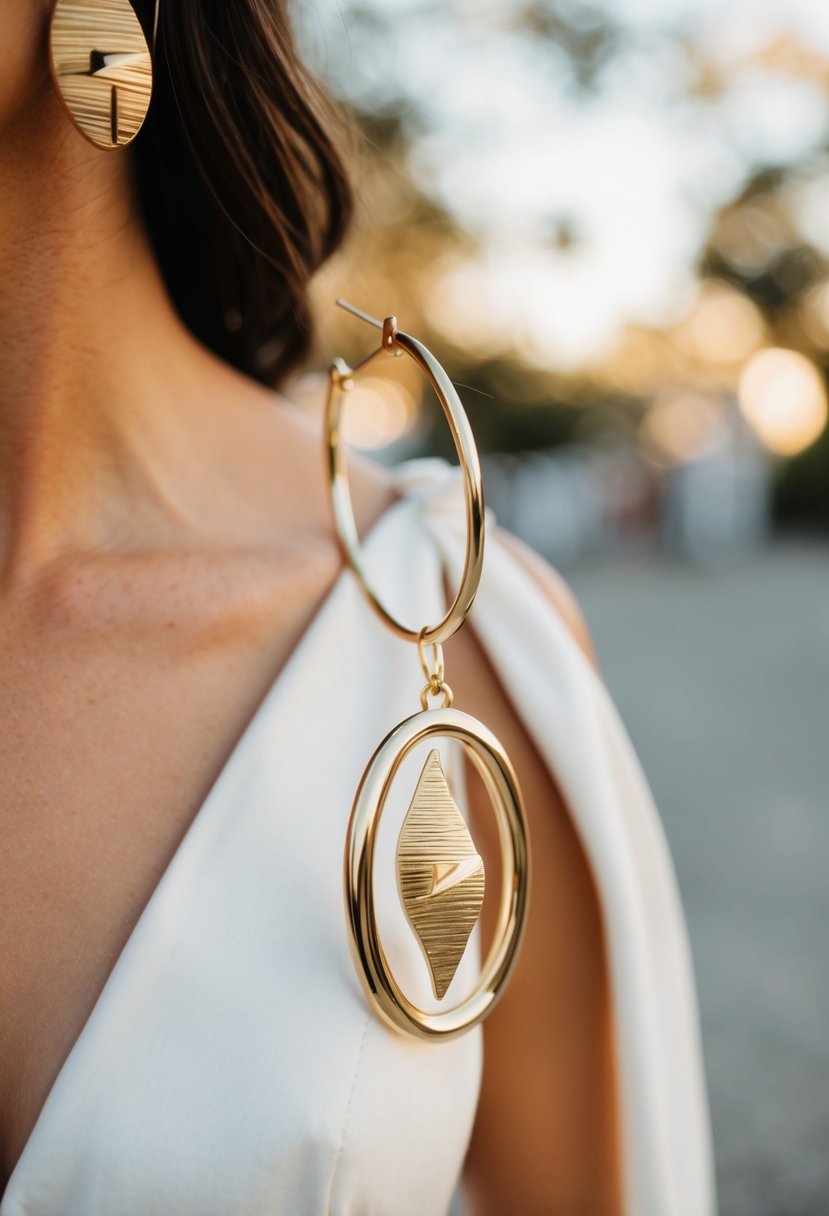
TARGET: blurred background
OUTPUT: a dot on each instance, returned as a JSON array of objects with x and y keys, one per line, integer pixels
[{"x": 611, "y": 223}]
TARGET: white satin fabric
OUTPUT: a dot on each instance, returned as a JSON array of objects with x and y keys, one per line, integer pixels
[{"x": 231, "y": 1066}]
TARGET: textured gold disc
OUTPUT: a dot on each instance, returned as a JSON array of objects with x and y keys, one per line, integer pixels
[
  {"x": 102, "y": 68},
  {"x": 440, "y": 874},
  {"x": 500, "y": 782}
]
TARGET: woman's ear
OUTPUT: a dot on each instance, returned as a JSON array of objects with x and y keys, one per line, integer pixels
[{"x": 24, "y": 37}]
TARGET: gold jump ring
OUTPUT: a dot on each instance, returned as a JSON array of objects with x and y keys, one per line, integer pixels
[{"x": 437, "y": 654}]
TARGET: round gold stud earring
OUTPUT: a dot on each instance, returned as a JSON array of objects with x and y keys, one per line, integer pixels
[
  {"x": 440, "y": 875},
  {"x": 102, "y": 68}
]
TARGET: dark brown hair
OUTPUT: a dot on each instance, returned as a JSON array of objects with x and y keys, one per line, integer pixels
[{"x": 241, "y": 181}]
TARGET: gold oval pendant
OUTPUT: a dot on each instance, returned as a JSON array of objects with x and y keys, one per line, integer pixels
[
  {"x": 102, "y": 68},
  {"x": 440, "y": 875}
]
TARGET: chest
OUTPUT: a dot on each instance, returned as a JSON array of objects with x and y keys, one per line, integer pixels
[
  {"x": 110, "y": 739},
  {"x": 231, "y": 1062}
]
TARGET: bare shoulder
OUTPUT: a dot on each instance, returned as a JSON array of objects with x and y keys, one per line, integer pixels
[
  {"x": 290, "y": 426},
  {"x": 246, "y": 551},
  {"x": 266, "y": 459},
  {"x": 280, "y": 474}
]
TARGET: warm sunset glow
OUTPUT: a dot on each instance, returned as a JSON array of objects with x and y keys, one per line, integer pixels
[
  {"x": 680, "y": 428},
  {"x": 376, "y": 413},
  {"x": 783, "y": 396},
  {"x": 814, "y": 315},
  {"x": 724, "y": 326}
]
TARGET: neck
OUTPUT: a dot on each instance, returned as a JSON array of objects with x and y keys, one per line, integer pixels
[{"x": 88, "y": 339}]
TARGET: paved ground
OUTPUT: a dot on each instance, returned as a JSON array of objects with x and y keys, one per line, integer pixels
[{"x": 723, "y": 680}]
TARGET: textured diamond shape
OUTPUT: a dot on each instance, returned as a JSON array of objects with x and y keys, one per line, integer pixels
[{"x": 440, "y": 874}]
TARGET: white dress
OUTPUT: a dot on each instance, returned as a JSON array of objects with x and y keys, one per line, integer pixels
[{"x": 231, "y": 1066}]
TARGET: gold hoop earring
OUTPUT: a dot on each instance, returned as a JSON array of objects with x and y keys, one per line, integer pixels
[
  {"x": 440, "y": 875},
  {"x": 102, "y": 68}
]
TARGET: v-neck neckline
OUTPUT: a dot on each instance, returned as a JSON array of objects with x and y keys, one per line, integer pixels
[{"x": 405, "y": 480}]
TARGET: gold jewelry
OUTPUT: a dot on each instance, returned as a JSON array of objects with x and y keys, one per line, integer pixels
[
  {"x": 102, "y": 68},
  {"x": 440, "y": 874}
]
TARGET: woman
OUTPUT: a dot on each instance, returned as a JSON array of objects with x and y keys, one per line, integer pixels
[{"x": 172, "y": 1037}]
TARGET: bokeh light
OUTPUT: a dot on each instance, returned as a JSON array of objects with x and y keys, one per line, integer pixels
[
  {"x": 814, "y": 315},
  {"x": 783, "y": 396},
  {"x": 593, "y": 205},
  {"x": 680, "y": 428},
  {"x": 724, "y": 326},
  {"x": 377, "y": 413}
]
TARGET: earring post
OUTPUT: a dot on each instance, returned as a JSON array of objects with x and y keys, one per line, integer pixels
[{"x": 358, "y": 312}]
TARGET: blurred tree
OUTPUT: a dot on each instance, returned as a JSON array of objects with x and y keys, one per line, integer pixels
[{"x": 724, "y": 149}]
